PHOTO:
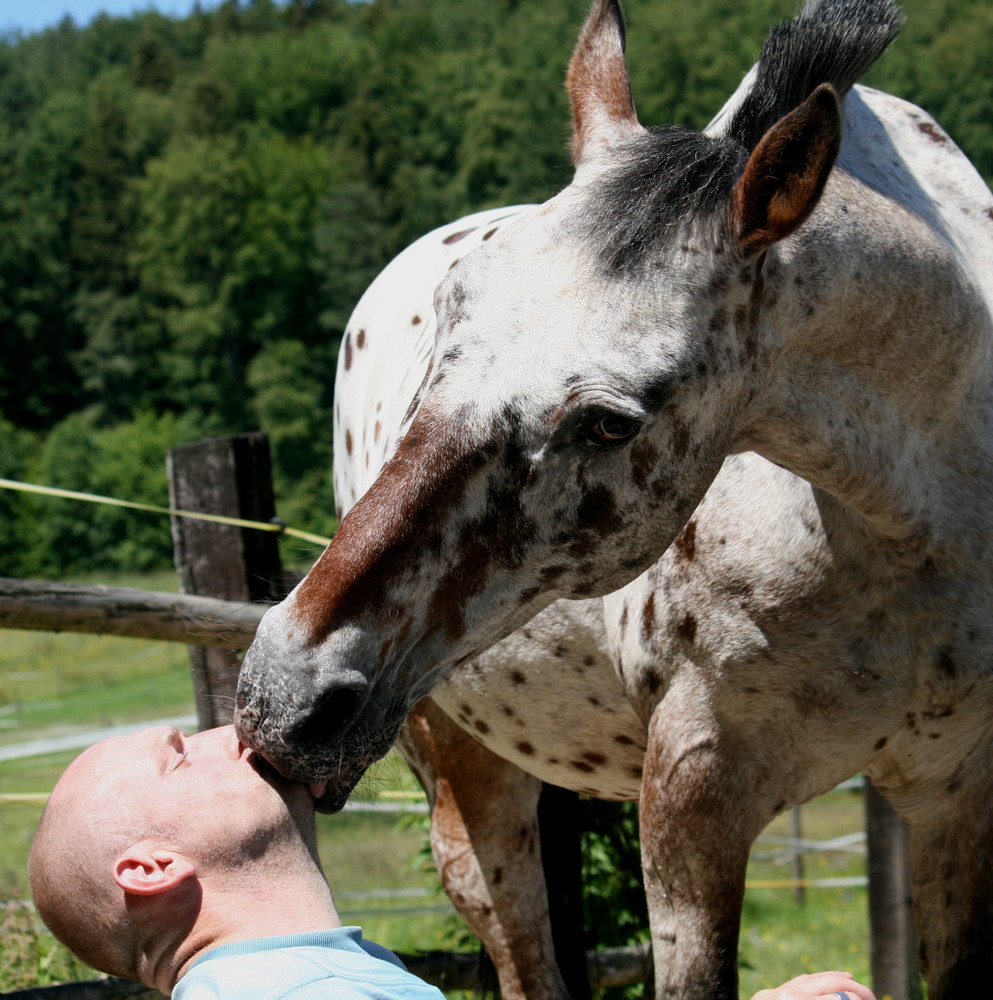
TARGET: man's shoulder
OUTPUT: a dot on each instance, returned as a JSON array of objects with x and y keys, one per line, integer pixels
[{"x": 304, "y": 967}]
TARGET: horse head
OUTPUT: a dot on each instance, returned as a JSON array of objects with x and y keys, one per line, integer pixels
[{"x": 594, "y": 364}]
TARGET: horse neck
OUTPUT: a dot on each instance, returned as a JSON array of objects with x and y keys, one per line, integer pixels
[{"x": 879, "y": 369}]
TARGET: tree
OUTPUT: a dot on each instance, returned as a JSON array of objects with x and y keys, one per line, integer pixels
[
  {"x": 217, "y": 300},
  {"x": 291, "y": 401}
]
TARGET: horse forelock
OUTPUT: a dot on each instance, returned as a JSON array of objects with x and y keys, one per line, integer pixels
[{"x": 662, "y": 182}]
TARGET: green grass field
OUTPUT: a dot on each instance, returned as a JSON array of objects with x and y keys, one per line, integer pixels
[{"x": 58, "y": 684}]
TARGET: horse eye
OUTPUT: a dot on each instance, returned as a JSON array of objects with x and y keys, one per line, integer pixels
[{"x": 612, "y": 429}]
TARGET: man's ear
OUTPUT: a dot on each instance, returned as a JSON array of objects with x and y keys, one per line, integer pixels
[{"x": 145, "y": 870}]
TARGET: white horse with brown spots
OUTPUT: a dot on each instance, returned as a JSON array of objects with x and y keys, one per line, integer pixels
[{"x": 733, "y": 393}]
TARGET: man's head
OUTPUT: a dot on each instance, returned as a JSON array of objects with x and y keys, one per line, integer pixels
[{"x": 141, "y": 826}]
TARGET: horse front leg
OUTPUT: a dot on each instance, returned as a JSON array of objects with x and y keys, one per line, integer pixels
[
  {"x": 696, "y": 830},
  {"x": 485, "y": 841},
  {"x": 951, "y": 843}
]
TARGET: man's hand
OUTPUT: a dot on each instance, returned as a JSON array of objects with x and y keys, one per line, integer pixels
[{"x": 819, "y": 986}]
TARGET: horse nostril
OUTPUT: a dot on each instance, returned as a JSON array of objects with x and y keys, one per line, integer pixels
[{"x": 332, "y": 714}]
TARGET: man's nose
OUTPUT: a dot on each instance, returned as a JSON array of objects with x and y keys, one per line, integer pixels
[{"x": 221, "y": 740}]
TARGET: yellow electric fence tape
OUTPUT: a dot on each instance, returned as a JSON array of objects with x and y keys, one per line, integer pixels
[{"x": 13, "y": 484}]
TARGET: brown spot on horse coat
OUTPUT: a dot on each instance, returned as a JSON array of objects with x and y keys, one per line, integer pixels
[
  {"x": 932, "y": 132},
  {"x": 687, "y": 628},
  {"x": 685, "y": 543},
  {"x": 644, "y": 456},
  {"x": 648, "y": 619},
  {"x": 598, "y": 512},
  {"x": 455, "y": 237},
  {"x": 943, "y": 662},
  {"x": 680, "y": 439}
]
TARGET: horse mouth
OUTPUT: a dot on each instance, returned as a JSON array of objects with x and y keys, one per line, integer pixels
[
  {"x": 334, "y": 798},
  {"x": 329, "y": 794}
]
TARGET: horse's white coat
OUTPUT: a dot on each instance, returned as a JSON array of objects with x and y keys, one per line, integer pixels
[{"x": 796, "y": 548}]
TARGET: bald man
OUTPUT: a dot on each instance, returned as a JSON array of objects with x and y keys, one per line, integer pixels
[{"x": 189, "y": 864}]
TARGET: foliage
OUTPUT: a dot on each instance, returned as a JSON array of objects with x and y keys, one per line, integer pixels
[
  {"x": 15, "y": 447},
  {"x": 126, "y": 459},
  {"x": 614, "y": 897},
  {"x": 181, "y": 196},
  {"x": 289, "y": 396}
]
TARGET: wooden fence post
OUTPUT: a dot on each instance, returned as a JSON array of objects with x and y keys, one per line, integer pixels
[
  {"x": 799, "y": 862},
  {"x": 559, "y": 825},
  {"x": 230, "y": 476},
  {"x": 892, "y": 931}
]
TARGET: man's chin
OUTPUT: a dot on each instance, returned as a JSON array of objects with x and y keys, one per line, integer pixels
[{"x": 288, "y": 788}]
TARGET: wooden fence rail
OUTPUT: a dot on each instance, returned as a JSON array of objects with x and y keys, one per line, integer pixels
[{"x": 125, "y": 611}]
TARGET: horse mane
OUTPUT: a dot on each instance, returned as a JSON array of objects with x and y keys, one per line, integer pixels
[
  {"x": 830, "y": 41},
  {"x": 668, "y": 176}
]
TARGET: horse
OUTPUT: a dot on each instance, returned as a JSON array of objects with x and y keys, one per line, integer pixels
[{"x": 727, "y": 399}]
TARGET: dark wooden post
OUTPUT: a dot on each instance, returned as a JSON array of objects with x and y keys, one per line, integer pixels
[
  {"x": 560, "y": 827},
  {"x": 799, "y": 866},
  {"x": 230, "y": 476},
  {"x": 893, "y": 932}
]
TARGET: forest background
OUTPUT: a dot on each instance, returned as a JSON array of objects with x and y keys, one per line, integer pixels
[{"x": 190, "y": 208}]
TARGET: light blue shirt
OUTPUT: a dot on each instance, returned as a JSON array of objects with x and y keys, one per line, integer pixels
[{"x": 321, "y": 965}]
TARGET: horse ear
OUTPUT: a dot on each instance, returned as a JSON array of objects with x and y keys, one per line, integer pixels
[
  {"x": 597, "y": 81},
  {"x": 786, "y": 172}
]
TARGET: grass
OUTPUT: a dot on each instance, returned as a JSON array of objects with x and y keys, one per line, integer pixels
[
  {"x": 782, "y": 936},
  {"x": 54, "y": 684}
]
